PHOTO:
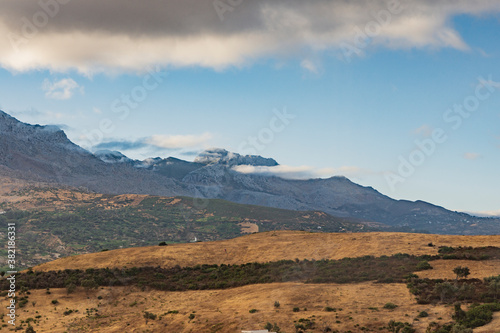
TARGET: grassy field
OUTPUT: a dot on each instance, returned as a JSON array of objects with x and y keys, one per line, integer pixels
[{"x": 309, "y": 307}]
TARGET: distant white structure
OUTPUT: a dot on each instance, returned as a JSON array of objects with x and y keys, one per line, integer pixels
[{"x": 2, "y": 212}]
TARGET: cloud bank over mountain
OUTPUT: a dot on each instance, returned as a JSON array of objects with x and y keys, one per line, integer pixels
[{"x": 88, "y": 35}]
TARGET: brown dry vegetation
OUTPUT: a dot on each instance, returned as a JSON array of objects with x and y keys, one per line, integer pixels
[
  {"x": 123, "y": 308},
  {"x": 271, "y": 246},
  {"x": 443, "y": 269}
]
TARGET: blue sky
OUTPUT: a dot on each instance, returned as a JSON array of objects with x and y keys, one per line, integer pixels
[{"x": 358, "y": 117}]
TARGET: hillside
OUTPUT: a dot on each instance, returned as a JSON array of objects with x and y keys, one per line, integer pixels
[
  {"x": 339, "y": 307},
  {"x": 55, "y": 222},
  {"x": 271, "y": 246}
]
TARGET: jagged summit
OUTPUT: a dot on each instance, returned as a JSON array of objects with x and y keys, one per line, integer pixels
[
  {"x": 222, "y": 156},
  {"x": 111, "y": 156},
  {"x": 44, "y": 153}
]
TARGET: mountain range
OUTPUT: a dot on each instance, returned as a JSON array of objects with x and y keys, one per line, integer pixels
[{"x": 44, "y": 153}]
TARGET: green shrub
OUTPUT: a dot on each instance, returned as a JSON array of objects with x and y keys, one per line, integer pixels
[
  {"x": 390, "y": 306},
  {"x": 423, "y": 265},
  {"x": 423, "y": 314},
  {"x": 276, "y": 304},
  {"x": 252, "y": 310},
  {"x": 296, "y": 309}
]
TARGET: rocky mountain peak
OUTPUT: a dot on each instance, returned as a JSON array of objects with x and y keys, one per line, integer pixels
[{"x": 224, "y": 157}]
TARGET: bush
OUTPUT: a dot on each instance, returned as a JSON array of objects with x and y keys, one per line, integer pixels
[
  {"x": 423, "y": 265},
  {"x": 30, "y": 329},
  {"x": 162, "y": 244},
  {"x": 445, "y": 249},
  {"x": 296, "y": 309},
  {"x": 461, "y": 272},
  {"x": 423, "y": 314},
  {"x": 390, "y": 306},
  {"x": 399, "y": 327},
  {"x": 70, "y": 288},
  {"x": 191, "y": 316},
  {"x": 330, "y": 309},
  {"x": 276, "y": 304},
  {"x": 252, "y": 310},
  {"x": 55, "y": 301},
  {"x": 479, "y": 315}
]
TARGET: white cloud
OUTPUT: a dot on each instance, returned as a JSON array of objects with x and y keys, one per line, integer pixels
[
  {"x": 491, "y": 213},
  {"x": 299, "y": 172},
  {"x": 472, "y": 156},
  {"x": 157, "y": 142},
  {"x": 309, "y": 66},
  {"x": 178, "y": 141},
  {"x": 133, "y": 35},
  {"x": 62, "y": 89}
]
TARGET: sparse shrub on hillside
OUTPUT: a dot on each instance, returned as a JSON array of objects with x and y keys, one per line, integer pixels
[
  {"x": 390, "y": 306},
  {"x": 304, "y": 324},
  {"x": 446, "y": 291},
  {"x": 30, "y": 329},
  {"x": 461, "y": 272},
  {"x": 276, "y": 304},
  {"x": 423, "y": 314},
  {"x": 445, "y": 249},
  {"x": 253, "y": 310},
  {"x": 423, "y": 265},
  {"x": 70, "y": 288},
  {"x": 191, "y": 316},
  {"x": 330, "y": 309},
  {"x": 55, "y": 301},
  {"x": 68, "y": 312},
  {"x": 272, "y": 328},
  {"x": 400, "y": 327},
  {"x": 148, "y": 316},
  {"x": 162, "y": 244},
  {"x": 296, "y": 309}
]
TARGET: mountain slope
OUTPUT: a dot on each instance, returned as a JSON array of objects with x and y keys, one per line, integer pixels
[{"x": 45, "y": 154}]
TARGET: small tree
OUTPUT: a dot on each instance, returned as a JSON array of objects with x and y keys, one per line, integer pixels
[
  {"x": 461, "y": 272},
  {"x": 30, "y": 329},
  {"x": 446, "y": 291},
  {"x": 89, "y": 284},
  {"x": 459, "y": 314},
  {"x": 149, "y": 315},
  {"x": 494, "y": 288}
]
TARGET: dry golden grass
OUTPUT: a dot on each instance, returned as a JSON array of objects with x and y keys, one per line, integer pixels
[
  {"x": 271, "y": 246},
  {"x": 123, "y": 308},
  {"x": 443, "y": 269},
  {"x": 228, "y": 310}
]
